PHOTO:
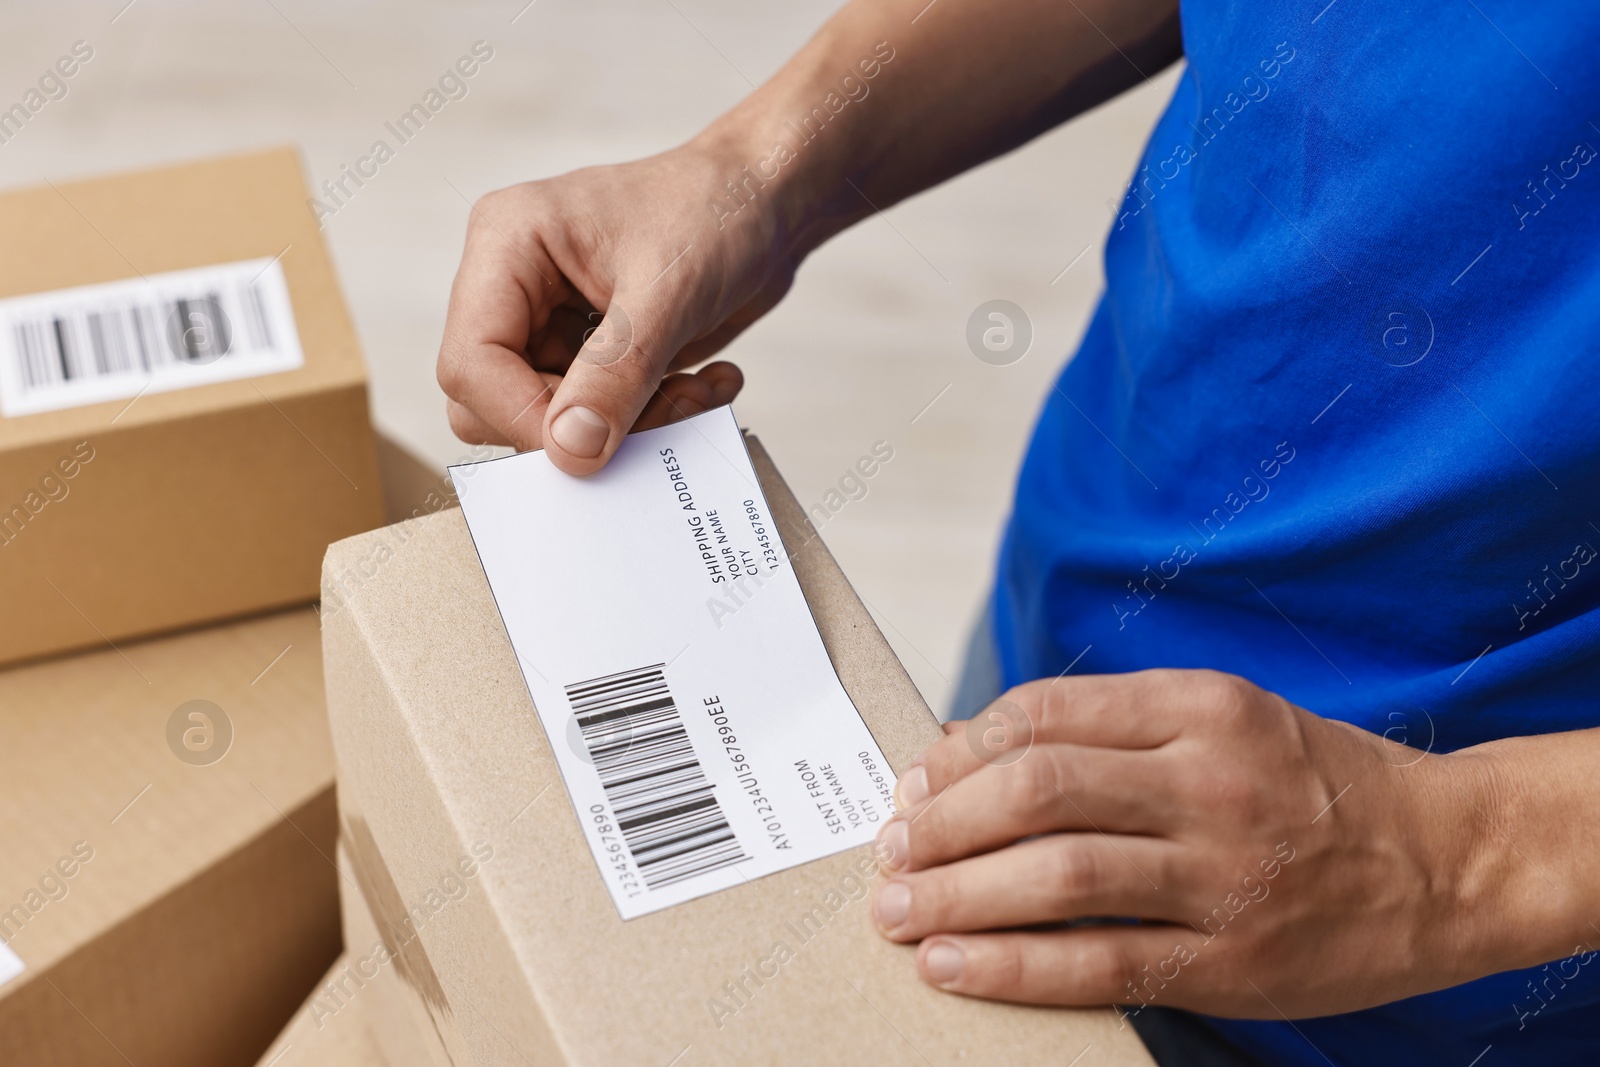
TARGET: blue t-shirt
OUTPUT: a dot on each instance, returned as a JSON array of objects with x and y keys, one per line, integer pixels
[{"x": 1334, "y": 424}]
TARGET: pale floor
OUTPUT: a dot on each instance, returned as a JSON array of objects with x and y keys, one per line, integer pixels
[{"x": 873, "y": 331}]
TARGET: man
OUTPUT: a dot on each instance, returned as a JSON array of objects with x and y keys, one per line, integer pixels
[{"x": 1322, "y": 448}]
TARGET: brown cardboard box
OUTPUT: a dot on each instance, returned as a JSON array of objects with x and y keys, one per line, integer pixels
[
  {"x": 412, "y": 487},
  {"x": 360, "y": 1014},
  {"x": 198, "y": 504},
  {"x": 380, "y": 961},
  {"x": 315, "y": 1038},
  {"x": 363, "y": 1012},
  {"x": 444, "y": 769},
  {"x": 169, "y": 910},
  {"x": 215, "y": 903}
]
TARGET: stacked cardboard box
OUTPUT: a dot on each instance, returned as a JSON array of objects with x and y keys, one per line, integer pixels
[
  {"x": 317, "y": 1038},
  {"x": 507, "y": 948},
  {"x": 362, "y": 1013},
  {"x": 147, "y": 481},
  {"x": 171, "y": 898},
  {"x": 168, "y": 890}
]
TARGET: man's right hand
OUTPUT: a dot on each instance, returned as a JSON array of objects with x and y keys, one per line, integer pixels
[{"x": 581, "y": 299}]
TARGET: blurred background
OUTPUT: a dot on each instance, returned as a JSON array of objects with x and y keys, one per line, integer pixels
[{"x": 869, "y": 346}]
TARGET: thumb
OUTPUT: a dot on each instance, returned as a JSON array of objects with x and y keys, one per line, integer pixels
[{"x": 611, "y": 379}]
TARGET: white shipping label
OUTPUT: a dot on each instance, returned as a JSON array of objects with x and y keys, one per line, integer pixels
[
  {"x": 10, "y": 964},
  {"x": 69, "y": 347},
  {"x": 698, "y": 723}
]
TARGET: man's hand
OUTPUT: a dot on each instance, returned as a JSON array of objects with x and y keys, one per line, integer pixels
[
  {"x": 579, "y": 297},
  {"x": 1281, "y": 864}
]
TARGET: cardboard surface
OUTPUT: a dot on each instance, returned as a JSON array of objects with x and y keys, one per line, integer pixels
[
  {"x": 316, "y": 1038},
  {"x": 195, "y": 505},
  {"x": 207, "y": 905},
  {"x": 383, "y": 970},
  {"x": 412, "y": 487},
  {"x": 441, "y": 757}
]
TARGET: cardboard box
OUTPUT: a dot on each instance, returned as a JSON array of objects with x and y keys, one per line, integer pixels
[
  {"x": 133, "y": 516},
  {"x": 412, "y": 487},
  {"x": 446, "y": 779},
  {"x": 315, "y": 1038},
  {"x": 212, "y": 892},
  {"x": 167, "y": 880},
  {"x": 387, "y": 969}
]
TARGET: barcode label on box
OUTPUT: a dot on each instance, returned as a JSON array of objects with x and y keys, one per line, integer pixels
[
  {"x": 95, "y": 343},
  {"x": 733, "y": 752},
  {"x": 665, "y": 808}
]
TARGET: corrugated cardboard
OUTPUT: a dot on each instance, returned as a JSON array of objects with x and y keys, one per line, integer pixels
[
  {"x": 362, "y": 1013},
  {"x": 317, "y": 1038},
  {"x": 381, "y": 960},
  {"x": 200, "y": 897},
  {"x": 441, "y": 757},
  {"x": 208, "y": 905},
  {"x": 412, "y": 487},
  {"x": 200, "y": 504}
]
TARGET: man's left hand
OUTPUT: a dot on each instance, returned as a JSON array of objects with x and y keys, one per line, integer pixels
[{"x": 1280, "y": 864}]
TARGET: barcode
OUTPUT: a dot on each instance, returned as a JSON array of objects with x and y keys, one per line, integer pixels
[
  {"x": 156, "y": 333},
  {"x": 139, "y": 338},
  {"x": 669, "y": 817}
]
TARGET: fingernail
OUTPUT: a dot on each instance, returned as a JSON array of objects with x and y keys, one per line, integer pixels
[
  {"x": 892, "y": 905},
  {"x": 894, "y": 843},
  {"x": 580, "y": 432},
  {"x": 943, "y": 962},
  {"x": 912, "y": 789}
]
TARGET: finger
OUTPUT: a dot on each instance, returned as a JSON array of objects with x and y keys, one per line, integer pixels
[
  {"x": 469, "y": 428},
  {"x": 1086, "y": 965},
  {"x": 1143, "y": 710},
  {"x": 1052, "y": 788},
  {"x": 553, "y": 348},
  {"x": 612, "y": 379},
  {"x": 1048, "y": 879},
  {"x": 501, "y": 295},
  {"x": 683, "y": 395},
  {"x": 679, "y": 396}
]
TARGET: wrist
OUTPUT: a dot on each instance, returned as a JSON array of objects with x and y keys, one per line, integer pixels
[
  {"x": 766, "y": 171},
  {"x": 1504, "y": 909},
  {"x": 800, "y": 142}
]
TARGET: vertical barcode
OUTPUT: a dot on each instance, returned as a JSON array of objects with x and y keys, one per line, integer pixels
[{"x": 669, "y": 817}]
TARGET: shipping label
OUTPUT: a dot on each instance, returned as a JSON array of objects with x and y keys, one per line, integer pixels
[{"x": 702, "y": 733}]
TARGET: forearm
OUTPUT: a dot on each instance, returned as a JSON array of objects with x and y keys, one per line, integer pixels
[
  {"x": 876, "y": 107},
  {"x": 1534, "y": 889}
]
